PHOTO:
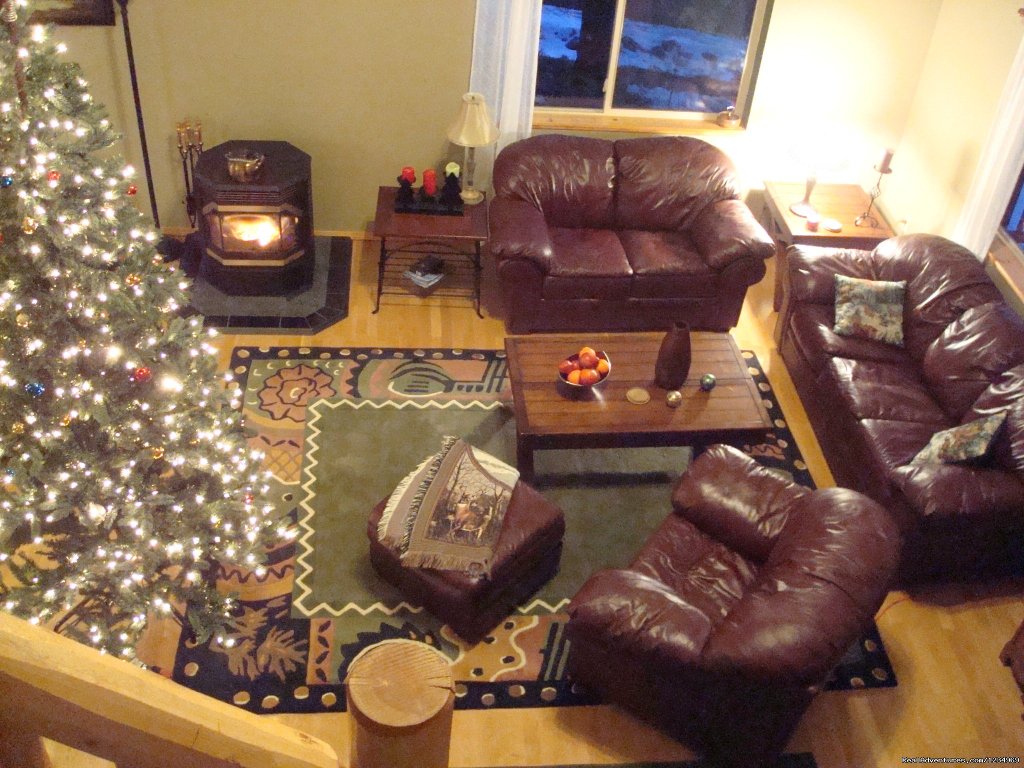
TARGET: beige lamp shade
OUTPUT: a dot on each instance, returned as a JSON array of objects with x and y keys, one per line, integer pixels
[{"x": 473, "y": 127}]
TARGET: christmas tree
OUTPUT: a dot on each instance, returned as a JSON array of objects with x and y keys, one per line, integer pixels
[{"x": 126, "y": 475}]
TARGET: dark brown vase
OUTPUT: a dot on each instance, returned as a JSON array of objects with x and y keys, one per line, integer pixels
[{"x": 673, "y": 358}]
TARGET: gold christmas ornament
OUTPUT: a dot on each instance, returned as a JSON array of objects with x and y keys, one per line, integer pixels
[
  {"x": 66, "y": 420},
  {"x": 21, "y": 319},
  {"x": 18, "y": 428},
  {"x": 132, "y": 279},
  {"x": 29, "y": 225},
  {"x": 157, "y": 453}
]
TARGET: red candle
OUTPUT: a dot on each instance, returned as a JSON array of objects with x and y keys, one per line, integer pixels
[
  {"x": 409, "y": 174},
  {"x": 430, "y": 181}
]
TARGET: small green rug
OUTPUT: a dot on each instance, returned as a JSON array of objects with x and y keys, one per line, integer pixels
[{"x": 340, "y": 428}]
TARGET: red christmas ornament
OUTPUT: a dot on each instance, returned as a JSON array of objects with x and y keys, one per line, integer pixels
[
  {"x": 249, "y": 498},
  {"x": 53, "y": 175},
  {"x": 141, "y": 375},
  {"x": 132, "y": 189}
]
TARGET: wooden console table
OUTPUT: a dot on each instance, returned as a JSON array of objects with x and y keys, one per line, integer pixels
[
  {"x": 842, "y": 202},
  {"x": 407, "y": 237}
]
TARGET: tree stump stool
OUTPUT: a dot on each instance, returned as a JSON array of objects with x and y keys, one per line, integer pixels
[{"x": 400, "y": 696}]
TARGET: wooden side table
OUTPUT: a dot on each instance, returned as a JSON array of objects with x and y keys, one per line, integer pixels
[
  {"x": 842, "y": 202},
  {"x": 406, "y": 237}
]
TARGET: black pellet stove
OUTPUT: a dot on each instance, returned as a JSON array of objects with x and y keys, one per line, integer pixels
[{"x": 254, "y": 201}]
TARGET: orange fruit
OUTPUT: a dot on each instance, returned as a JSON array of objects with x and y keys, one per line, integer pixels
[
  {"x": 573, "y": 377},
  {"x": 603, "y": 367},
  {"x": 589, "y": 377},
  {"x": 568, "y": 365},
  {"x": 588, "y": 358}
]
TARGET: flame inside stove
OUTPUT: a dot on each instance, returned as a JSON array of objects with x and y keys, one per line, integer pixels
[{"x": 262, "y": 230}]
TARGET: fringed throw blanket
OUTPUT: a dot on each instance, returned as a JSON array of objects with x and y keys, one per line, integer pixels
[{"x": 447, "y": 513}]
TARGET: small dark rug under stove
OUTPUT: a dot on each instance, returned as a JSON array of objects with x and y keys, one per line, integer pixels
[{"x": 322, "y": 304}]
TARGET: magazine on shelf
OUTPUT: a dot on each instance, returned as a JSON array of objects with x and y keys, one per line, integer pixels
[{"x": 426, "y": 272}]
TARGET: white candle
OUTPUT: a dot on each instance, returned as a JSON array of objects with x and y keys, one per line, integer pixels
[{"x": 883, "y": 164}]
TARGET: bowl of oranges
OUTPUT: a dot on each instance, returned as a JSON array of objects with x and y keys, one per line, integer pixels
[{"x": 585, "y": 369}]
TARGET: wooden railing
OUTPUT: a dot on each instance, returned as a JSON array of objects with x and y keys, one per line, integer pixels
[{"x": 55, "y": 688}]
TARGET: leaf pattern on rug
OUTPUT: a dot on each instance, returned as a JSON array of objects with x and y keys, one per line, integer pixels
[{"x": 248, "y": 655}]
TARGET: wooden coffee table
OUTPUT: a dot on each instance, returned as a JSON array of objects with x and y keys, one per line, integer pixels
[{"x": 549, "y": 416}]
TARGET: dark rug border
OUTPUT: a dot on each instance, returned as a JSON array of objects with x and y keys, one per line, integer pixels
[{"x": 792, "y": 760}]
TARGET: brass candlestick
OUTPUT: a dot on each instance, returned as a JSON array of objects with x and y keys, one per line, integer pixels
[{"x": 867, "y": 219}]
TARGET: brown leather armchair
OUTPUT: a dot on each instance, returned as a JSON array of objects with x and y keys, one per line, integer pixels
[
  {"x": 731, "y": 616},
  {"x": 637, "y": 234}
]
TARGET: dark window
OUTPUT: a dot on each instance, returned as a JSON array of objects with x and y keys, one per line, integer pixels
[
  {"x": 682, "y": 56},
  {"x": 1013, "y": 219}
]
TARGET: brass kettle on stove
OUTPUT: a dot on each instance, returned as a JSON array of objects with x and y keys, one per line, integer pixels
[{"x": 244, "y": 165}]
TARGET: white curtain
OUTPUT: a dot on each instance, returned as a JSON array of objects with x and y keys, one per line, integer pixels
[
  {"x": 998, "y": 168},
  {"x": 504, "y": 70}
]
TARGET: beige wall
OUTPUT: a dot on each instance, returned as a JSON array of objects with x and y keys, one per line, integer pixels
[
  {"x": 366, "y": 86},
  {"x": 836, "y": 82},
  {"x": 363, "y": 86},
  {"x": 973, "y": 45}
]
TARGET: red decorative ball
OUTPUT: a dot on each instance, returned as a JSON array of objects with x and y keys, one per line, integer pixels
[
  {"x": 53, "y": 175},
  {"x": 132, "y": 189},
  {"x": 141, "y": 375},
  {"x": 249, "y": 498}
]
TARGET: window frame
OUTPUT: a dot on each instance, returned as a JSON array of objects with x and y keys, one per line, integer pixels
[{"x": 609, "y": 118}]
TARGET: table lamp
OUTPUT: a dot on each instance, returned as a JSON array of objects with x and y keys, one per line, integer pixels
[
  {"x": 804, "y": 208},
  {"x": 472, "y": 128}
]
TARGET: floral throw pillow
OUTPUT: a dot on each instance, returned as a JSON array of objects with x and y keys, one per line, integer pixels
[
  {"x": 870, "y": 309},
  {"x": 968, "y": 441}
]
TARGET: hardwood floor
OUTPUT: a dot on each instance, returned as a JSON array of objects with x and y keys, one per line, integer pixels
[{"x": 953, "y": 698}]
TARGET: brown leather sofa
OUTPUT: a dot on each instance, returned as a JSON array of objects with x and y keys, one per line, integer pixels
[
  {"x": 735, "y": 610},
  {"x": 874, "y": 406},
  {"x": 636, "y": 234}
]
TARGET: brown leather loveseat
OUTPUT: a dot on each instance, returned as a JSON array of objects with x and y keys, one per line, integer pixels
[
  {"x": 636, "y": 234},
  {"x": 735, "y": 610},
  {"x": 874, "y": 406}
]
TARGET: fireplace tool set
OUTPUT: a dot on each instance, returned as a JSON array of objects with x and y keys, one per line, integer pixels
[{"x": 190, "y": 146}]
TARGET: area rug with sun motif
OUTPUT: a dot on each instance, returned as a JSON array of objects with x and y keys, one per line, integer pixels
[{"x": 340, "y": 428}]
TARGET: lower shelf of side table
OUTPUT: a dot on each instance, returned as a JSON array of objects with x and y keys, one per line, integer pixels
[{"x": 460, "y": 281}]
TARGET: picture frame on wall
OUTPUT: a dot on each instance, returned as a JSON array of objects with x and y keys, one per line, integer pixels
[{"x": 81, "y": 12}]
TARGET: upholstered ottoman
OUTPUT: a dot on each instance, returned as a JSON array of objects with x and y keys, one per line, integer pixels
[{"x": 526, "y": 556}]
